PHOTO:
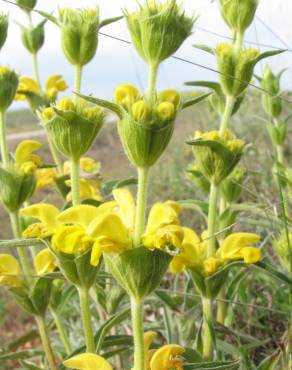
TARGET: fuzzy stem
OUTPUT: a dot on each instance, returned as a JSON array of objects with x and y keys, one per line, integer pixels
[
  {"x": 77, "y": 80},
  {"x": 239, "y": 41},
  {"x": 86, "y": 319},
  {"x": 62, "y": 332},
  {"x": 3, "y": 139},
  {"x": 230, "y": 101},
  {"x": 152, "y": 77},
  {"x": 46, "y": 342},
  {"x": 141, "y": 204},
  {"x": 212, "y": 220},
  {"x": 15, "y": 224},
  {"x": 75, "y": 183},
  {"x": 221, "y": 307},
  {"x": 36, "y": 70},
  {"x": 138, "y": 334},
  {"x": 207, "y": 326}
]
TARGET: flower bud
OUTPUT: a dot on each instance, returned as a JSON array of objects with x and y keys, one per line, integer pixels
[
  {"x": 197, "y": 177},
  {"x": 140, "y": 111},
  {"x": 271, "y": 83},
  {"x": 236, "y": 69},
  {"x": 238, "y": 14},
  {"x": 165, "y": 112},
  {"x": 231, "y": 187},
  {"x": 8, "y": 87},
  {"x": 158, "y": 29},
  {"x": 126, "y": 95},
  {"x": 15, "y": 187},
  {"x": 72, "y": 127},
  {"x": 26, "y": 5},
  {"x": 33, "y": 38},
  {"x": 3, "y": 29},
  {"x": 216, "y": 155},
  {"x": 79, "y": 30}
]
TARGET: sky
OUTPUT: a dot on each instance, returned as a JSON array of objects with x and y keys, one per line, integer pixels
[{"x": 116, "y": 62}]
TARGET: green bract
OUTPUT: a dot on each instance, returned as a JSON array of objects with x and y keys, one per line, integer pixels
[
  {"x": 15, "y": 188},
  {"x": 72, "y": 126},
  {"x": 238, "y": 14},
  {"x": 8, "y": 87},
  {"x": 139, "y": 270},
  {"x": 158, "y": 29},
  {"x": 79, "y": 30},
  {"x": 231, "y": 187},
  {"x": 33, "y": 38},
  {"x": 216, "y": 155},
  {"x": 236, "y": 68},
  {"x": 3, "y": 29},
  {"x": 271, "y": 83},
  {"x": 26, "y": 5}
]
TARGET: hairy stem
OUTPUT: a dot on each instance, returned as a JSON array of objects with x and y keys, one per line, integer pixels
[
  {"x": 75, "y": 182},
  {"x": 77, "y": 80},
  {"x": 138, "y": 333},
  {"x": 152, "y": 77},
  {"x": 46, "y": 342},
  {"x": 3, "y": 139},
  {"x": 15, "y": 224},
  {"x": 86, "y": 319},
  {"x": 207, "y": 326},
  {"x": 212, "y": 220},
  {"x": 141, "y": 204}
]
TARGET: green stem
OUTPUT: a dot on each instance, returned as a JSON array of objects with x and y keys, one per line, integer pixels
[
  {"x": 153, "y": 71},
  {"x": 55, "y": 155},
  {"x": 77, "y": 80},
  {"x": 141, "y": 204},
  {"x": 46, "y": 342},
  {"x": 3, "y": 139},
  {"x": 225, "y": 122},
  {"x": 75, "y": 182},
  {"x": 138, "y": 334},
  {"x": 36, "y": 71},
  {"x": 62, "y": 332},
  {"x": 86, "y": 319},
  {"x": 239, "y": 41},
  {"x": 212, "y": 220},
  {"x": 15, "y": 224},
  {"x": 221, "y": 306},
  {"x": 207, "y": 328}
]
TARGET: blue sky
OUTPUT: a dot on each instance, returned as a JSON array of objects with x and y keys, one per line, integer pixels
[{"x": 116, "y": 62}]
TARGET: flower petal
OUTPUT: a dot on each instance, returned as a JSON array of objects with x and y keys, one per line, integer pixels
[
  {"x": 44, "y": 212},
  {"x": 126, "y": 204},
  {"x": 44, "y": 262},
  {"x": 166, "y": 357},
  {"x": 9, "y": 266},
  {"x": 25, "y": 149},
  {"x": 161, "y": 214},
  {"x": 79, "y": 215},
  {"x": 88, "y": 361},
  {"x": 233, "y": 243}
]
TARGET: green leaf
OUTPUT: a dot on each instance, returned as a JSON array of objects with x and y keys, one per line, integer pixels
[
  {"x": 215, "y": 365},
  {"x": 48, "y": 16},
  {"x": 22, "y": 243},
  {"x": 270, "y": 362},
  {"x": 105, "y": 22},
  {"x": 40, "y": 295},
  {"x": 115, "y": 108},
  {"x": 270, "y": 270},
  {"x": 109, "y": 186},
  {"x": 31, "y": 335},
  {"x": 106, "y": 327},
  {"x": 195, "y": 100},
  {"x": 30, "y": 366},
  {"x": 21, "y": 354},
  {"x": 215, "y": 86},
  {"x": 205, "y": 48},
  {"x": 197, "y": 205},
  {"x": 269, "y": 53}
]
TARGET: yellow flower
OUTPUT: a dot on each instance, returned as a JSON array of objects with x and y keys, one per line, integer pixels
[
  {"x": 167, "y": 357},
  {"x": 87, "y": 165},
  {"x": 149, "y": 337},
  {"x": 45, "y": 262},
  {"x": 45, "y": 177},
  {"x": 115, "y": 232},
  {"x": 126, "y": 95},
  {"x": 26, "y": 85},
  {"x": 192, "y": 252},
  {"x": 236, "y": 247},
  {"x": 88, "y": 361},
  {"x": 9, "y": 271},
  {"x": 25, "y": 158},
  {"x": 46, "y": 214},
  {"x": 54, "y": 85},
  {"x": 89, "y": 189},
  {"x": 211, "y": 265}
]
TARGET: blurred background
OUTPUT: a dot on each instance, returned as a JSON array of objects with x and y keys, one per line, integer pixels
[{"x": 117, "y": 62}]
